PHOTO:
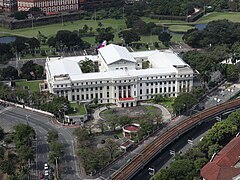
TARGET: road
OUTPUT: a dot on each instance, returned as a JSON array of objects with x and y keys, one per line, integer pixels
[
  {"x": 69, "y": 169},
  {"x": 163, "y": 159}
]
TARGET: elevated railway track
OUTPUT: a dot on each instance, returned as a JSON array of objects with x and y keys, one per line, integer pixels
[{"x": 152, "y": 149}]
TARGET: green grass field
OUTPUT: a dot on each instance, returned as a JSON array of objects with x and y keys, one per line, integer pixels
[
  {"x": 33, "y": 85},
  {"x": 50, "y": 30},
  {"x": 118, "y": 25},
  {"x": 231, "y": 16},
  {"x": 179, "y": 28},
  {"x": 79, "y": 109}
]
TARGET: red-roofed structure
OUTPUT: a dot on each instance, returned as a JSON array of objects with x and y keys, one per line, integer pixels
[
  {"x": 224, "y": 166},
  {"x": 130, "y": 130}
]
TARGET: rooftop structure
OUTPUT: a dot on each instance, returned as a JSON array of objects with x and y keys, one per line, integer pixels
[
  {"x": 225, "y": 164},
  {"x": 121, "y": 79}
]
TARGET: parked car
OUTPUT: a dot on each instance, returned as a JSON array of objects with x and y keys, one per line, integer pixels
[{"x": 45, "y": 166}]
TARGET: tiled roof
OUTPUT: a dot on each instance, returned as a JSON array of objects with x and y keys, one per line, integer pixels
[{"x": 222, "y": 166}]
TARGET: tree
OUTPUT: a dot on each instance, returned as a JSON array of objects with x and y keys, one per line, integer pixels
[
  {"x": 9, "y": 73},
  {"x": 129, "y": 36},
  {"x": 124, "y": 120},
  {"x": 183, "y": 102},
  {"x": 1, "y": 133},
  {"x": 111, "y": 146},
  {"x": 82, "y": 136},
  {"x": 8, "y": 167},
  {"x": 52, "y": 136},
  {"x": 165, "y": 38},
  {"x": 104, "y": 36},
  {"x": 23, "y": 135},
  {"x": 87, "y": 66},
  {"x": 182, "y": 169},
  {"x": 164, "y": 174},
  {"x": 131, "y": 20},
  {"x": 24, "y": 153},
  {"x": 232, "y": 73},
  {"x": 33, "y": 44},
  {"x": 6, "y": 53}
]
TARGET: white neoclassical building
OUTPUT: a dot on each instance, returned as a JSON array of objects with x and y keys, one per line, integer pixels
[{"x": 121, "y": 79}]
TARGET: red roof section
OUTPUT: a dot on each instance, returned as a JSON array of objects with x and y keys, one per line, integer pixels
[
  {"x": 126, "y": 99},
  {"x": 127, "y": 144},
  {"x": 131, "y": 127},
  {"x": 222, "y": 166}
]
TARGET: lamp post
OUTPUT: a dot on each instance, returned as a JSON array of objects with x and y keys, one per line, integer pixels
[
  {"x": 217, "y": 100},
  {"x": 56, "y": 161},
  {"x": 230, "y": 91},
  {"x": 27, "y": 116}
]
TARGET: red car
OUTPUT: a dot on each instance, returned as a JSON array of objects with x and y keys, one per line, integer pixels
[{"x": 41, "y": 175}]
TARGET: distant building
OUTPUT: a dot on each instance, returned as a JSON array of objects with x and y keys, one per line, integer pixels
[
  {"x": 91, "y": 4},
  {"x": 225, "y": 165},
  {"x": 48, "y": 6},
  {"x": 121, "y": 79},
  {"x": 8, "y": 5}
]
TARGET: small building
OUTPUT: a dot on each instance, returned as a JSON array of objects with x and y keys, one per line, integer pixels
[
  {"x": 127, "y": 144},
  {"x": 130, "y": 130},
  {"x": 224, "y": 165}
]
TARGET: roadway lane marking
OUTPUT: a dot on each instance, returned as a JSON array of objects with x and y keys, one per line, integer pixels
[{"x": 5, "y": 109}]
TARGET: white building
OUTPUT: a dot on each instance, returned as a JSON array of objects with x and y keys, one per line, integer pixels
[{"x": 121, "y": 79}]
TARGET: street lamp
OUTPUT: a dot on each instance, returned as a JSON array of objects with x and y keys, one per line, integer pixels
[
  {"x": 230, "y": 91},
  {"x": 217, "y": 100},
  {"x": 27, "y": 116}
]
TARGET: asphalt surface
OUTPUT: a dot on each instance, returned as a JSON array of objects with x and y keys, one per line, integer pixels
[{"x": 69, "y": 169}]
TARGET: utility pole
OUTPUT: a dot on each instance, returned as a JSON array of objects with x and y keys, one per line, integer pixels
[
  {"x": 62, "y": 18},
  {"x": 56, "y": 167}
]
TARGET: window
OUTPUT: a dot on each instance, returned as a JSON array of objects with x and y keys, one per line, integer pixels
[
  {"x": 151, "y": 91},
  {"x": 87, "y": 96},
  {"x": 100, "y": 95},
  {"x": 140, "y": 91},
  {"x": 77, "y": 97},
  {"x": 173, "y": 88},
  {"x": 72, "y": 90},
  {"x": 96, "y": 88},
  {"x": 73, "y": 97},
  {"x": 147, "y": 91},
  {"x": 86, "y": 89},
  {"x": 77, "y": 90},
  {"x": 140, "y": 84},
  {"x": 82, "y": 96},
  {"x": 107, "y": 87},
  {"x": 91, "y": 96},
  {"x": 107, "y": 94},
  {"x": 152, "y": 84},
  {"x": 169, "y": 89},
  {"x": 165, "y": 89},
  {"x": 156, "y": 90},
  {"x": 100, "y": 88}
]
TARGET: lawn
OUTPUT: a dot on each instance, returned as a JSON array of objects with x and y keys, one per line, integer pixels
[
  {"x": 33, "y": 85},
  {"x": 50, "y": 30},
  {"x": 79, "y": 109},
  {"x": 180, "y": 28},
  {"x": 232, "y": 16}
]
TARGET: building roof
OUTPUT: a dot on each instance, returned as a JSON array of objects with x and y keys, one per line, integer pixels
[
  {"x": 112, "y": 53},
  {"x": 223, "y": 165},
  {"x": 163, "y": 62},
  {"x": 165, "y": 59}
]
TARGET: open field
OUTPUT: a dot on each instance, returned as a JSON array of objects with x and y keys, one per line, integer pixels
[
  {"x": 33, "y": 85},
  {"x": 50, "y": 30},
  {"x": 79, "y": 109},
  {"x": 179, "y": 28},
  {"x": 231, "y": 16}
]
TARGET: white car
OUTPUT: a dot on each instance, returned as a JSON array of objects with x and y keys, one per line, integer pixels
[
  {"x": 45, "y": 166},
  {"x": 46, "y": 173}
]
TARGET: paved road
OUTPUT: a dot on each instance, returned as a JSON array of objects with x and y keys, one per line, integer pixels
[{"x": 11, "y": 116}]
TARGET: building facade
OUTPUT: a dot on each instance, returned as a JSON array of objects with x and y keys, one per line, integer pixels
[
  {"x": 48, "y": 6},
  {"x": 122, "y": 79},
  {"x": 8, "y": 5}
]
